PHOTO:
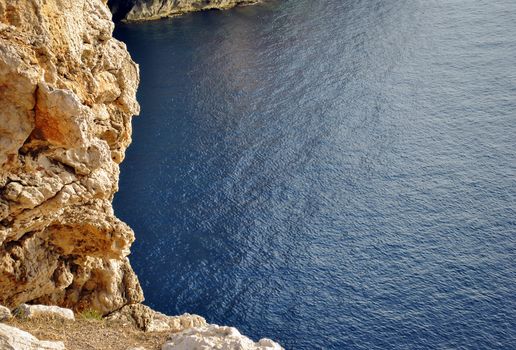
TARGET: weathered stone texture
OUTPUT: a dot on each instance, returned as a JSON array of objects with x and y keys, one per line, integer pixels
[{"x": 67, "y": 95}]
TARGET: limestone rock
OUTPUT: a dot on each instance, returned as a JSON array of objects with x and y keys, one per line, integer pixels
[
  {"x": 140, "y": 10},
  {"x": 33, "y": 311},
  {"x": 67, "y": 95},
  {"x": 146, "y": 319},
  {"x": 5, "y": 313},
  {"x": 12, "y": 338},
  {"x": 216, "y": 337}
]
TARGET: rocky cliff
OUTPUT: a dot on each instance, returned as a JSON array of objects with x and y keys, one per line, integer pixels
[
  {"x": 140, "y": 10},
  {"x": 67, "y": 95}
]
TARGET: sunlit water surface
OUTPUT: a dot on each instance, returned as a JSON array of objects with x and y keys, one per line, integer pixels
[{"x": 335, "y": 174}]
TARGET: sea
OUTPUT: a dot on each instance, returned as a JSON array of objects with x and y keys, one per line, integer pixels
[{"x": 330, "y": 174}]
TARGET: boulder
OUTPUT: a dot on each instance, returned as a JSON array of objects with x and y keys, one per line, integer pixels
[{"x": 32, "y": 311}]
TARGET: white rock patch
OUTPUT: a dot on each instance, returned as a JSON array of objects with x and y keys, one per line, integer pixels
[
  {"x": 31, "y": 311},
  {"x": 218, "y": 338}
]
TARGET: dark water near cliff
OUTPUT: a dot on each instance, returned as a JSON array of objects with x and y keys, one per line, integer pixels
[{"x": 335, "y": 174}]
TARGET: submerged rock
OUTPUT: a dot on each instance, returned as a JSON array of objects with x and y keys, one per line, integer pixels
[
  {"x": 141, "y": 10},
  {"x": 67, "y": 94}
]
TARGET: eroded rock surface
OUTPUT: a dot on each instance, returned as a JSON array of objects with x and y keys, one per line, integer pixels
[
  {"x": 67, "y": 95},
  {"x": 216, "y": 337},
  {"x": 140, "y": 10}
]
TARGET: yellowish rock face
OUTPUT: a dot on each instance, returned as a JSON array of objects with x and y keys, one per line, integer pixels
[{"x": 67, "y": 95}]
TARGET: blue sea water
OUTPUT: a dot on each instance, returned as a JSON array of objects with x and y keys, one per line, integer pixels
[{"x": 335, "y": 174}]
